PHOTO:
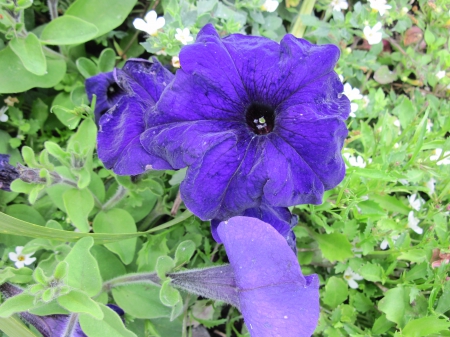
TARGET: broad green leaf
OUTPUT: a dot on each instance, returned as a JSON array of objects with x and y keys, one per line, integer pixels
[
  {"x": 414, "y": 255},
  {"x": 117, "y": 221},
  {"x": 140, "y": 301},
  {"x": 444, "y": 300},
  {"x": 371, "y": 272},
  {"x": 425, "y": 326},
  {"x": 25, "y": 213},
  {"x": 164, "y": 264},
  {"x": 13, "y": 327},
  {"x": 336, "y": 292},
  {"x": 107, "y": 60},
  {"x": 13, "y": 226},
  {"x": 20, "y": 79},
  {"x": 78, "y": 301},
  {"x": 68, "y": 29},
  {"x": 110, "y": 325},
  {"x": 61, "y": 106},
  {"x": 109, "y": 264},
  {"x": 334, "y": 246},
  {"x": 83, "y": 273},
  {"x": 381, "y": 325},
  {"x": 184, "y": 252},
  {"x": 84, "y": 138},
  {"x": 105, "y": 15},
  {"x": 384, "y": 76},
  {"x": 395, "y": 305},
  {"x": 30, "y": 52},
  {"x": 78, "y": 204},
  {"x": 18, "y": 303},
  {"x": 86, "y": 67},
  {"x": 168, "y": 295},
  {"x": 13, "y": 275}
]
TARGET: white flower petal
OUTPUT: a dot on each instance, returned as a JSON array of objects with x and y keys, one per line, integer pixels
[
  {"x": 12, "y": 256},
  {"x": 160, "y": 22},
  {"x": 140, "y": 24},
  {"x": 150, "y": 17}
]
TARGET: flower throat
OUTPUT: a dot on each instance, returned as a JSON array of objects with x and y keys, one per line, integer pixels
[{"x": 260, "y": 118}]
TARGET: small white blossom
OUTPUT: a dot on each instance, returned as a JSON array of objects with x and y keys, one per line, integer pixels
[
  {"x": 440, "y": 74},
  {"x": 385, "y": 243},
  {"x": 150, "y": 24},
  {"x": 161, "y": 52},
  {"x": 270, "y": 6},
  {"x": 357, "y": 161},
  {"x": 415, "y": 202},
  {"x": 176, "y": 62},
  {"x": 437, "y": 154},
  {"x": 429, "y": 125},
  {"x": 431, "y": 185},
  {"x": 339, "y": 5},
  {"x": 3, "y": 115},
  {"x": 19, "y": 259},
  {"x": 379, "y": 6},
  {"x": 373, "y": 35},
  {"x": 184, "y": 36},
  {"x": 413, "y": 222},
  {"x": 352, "y": 94},
  {"x": 366, "y": 101},
  {"x": 341, "y": 78},
  {"x": 351, "y": 277}
]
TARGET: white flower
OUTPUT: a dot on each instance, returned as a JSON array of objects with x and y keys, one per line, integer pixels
[
  {"x": 176, "y": 62},
  {"x": 184, "y": 36},
  {"x": 351, "y": 277},
  {"x": 270, "y": 6},
  {"x": 366, "y": 101},
  {"x": 396, "y": 145},
  {"x": 352, "y": 94},
  {"x": 339, "y": 5},
  {"x": 413, "y": 222},
  {"x": 150, "y": 24},
  {"x": 415, "y": 202},
  {"x": 430, "y": 185},
  {"x": 341, "y": 78},
  {"x": 161, "y": 52},
  {"x": 379, "y": 6},
  {"x": 3, "y": 115},
  {"x": 403, "y": 181},
  {"x": 355, "y": 161},
  {"x": 440, "y": 74},
  {"x": 385, "y": 243},
  {"x": 429, "y": 125},
  {"x": 437, "y": 155},
  {"x": 373, "y": 35},
  {"x": 19, "y": 259}
]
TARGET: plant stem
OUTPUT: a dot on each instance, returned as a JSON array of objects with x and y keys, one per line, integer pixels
[
  {"x": 116, "y": 198},
  {"x": 53, "y": 8},
  {"x": 299, "y": 28}
]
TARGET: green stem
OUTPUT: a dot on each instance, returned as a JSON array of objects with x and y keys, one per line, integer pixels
[
  {"x": 299, "y": 28},
  {"x": 115, "y": 199}
]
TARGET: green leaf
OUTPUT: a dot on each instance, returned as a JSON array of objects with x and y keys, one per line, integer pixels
[
  {"x": 117, "y": 221},
  {"x": 61, "y": 270},
  {"x": 25, "y": 213},
  {"x": 168, "y": 295},
  {"x": 78, "y": 301},
  {"x": 110, "y": 325},
  {"x": 20, "y": 79},
  {"x": 164, "y": 264},
  {"x": 395, "y": 305},
  {"x": 371, "y": 272},
  {"x": 13, "y": 327},
  {"x": 13, "y": 226},
  {"x": 413, "y": 255},
  {"x": 140, "y": 301},
  {"x": 84, "y": 138},
  {"x": 68, "y": 29},
  {"x": 18, "y": 303},
  {"x": 336, "y": 292},
  {"x": 381, "y": 325},
  {"x": 61, "y": 106},
  {"x": 107, "y": 60},
  {"x": 384, "y": 76},
  {"x": 184, "y": 252},
  {"x": 334, "y": 246},
  {"x": 86, "y": 67},
  {"x": 30, "y": 52},
  {"x": 78, "y": 204},
  {"x": 425, "y": 326},
  {"x": 83, "y": 271},
  {"x": 444, "y": 301},
  {"x": 13, "y": 275},
  {"x": 105, "y": 15}
]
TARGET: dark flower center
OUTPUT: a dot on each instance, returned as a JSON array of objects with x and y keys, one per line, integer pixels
[
  {"x": 113, "y": 91},
  {"x": 260, "y": 118}
]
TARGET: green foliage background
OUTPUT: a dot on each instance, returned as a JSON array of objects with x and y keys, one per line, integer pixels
[{"x": 87, "y": 226}]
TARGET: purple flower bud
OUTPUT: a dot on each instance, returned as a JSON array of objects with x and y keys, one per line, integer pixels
[{"x": 8, "y": 173}]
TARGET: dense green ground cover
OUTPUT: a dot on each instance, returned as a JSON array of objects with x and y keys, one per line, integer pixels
[{"x": 379, "y": 242}]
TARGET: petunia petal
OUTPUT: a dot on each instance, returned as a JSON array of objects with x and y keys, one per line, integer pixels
[
  {"x": 276, "y": 299},
  {"x": 119, "y": 147}
]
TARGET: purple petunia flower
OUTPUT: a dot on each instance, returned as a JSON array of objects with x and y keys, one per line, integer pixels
[
  {"x": 51, "y": 325},
  {"x": 119, "y": 147},
  {"x": 256, "y": 123},
  {"x": 279, "y": 217},
  {"x": 8, "y": 173},
  {"x": 107, "y": 91},
  {"x": 263, "y": 280}
]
